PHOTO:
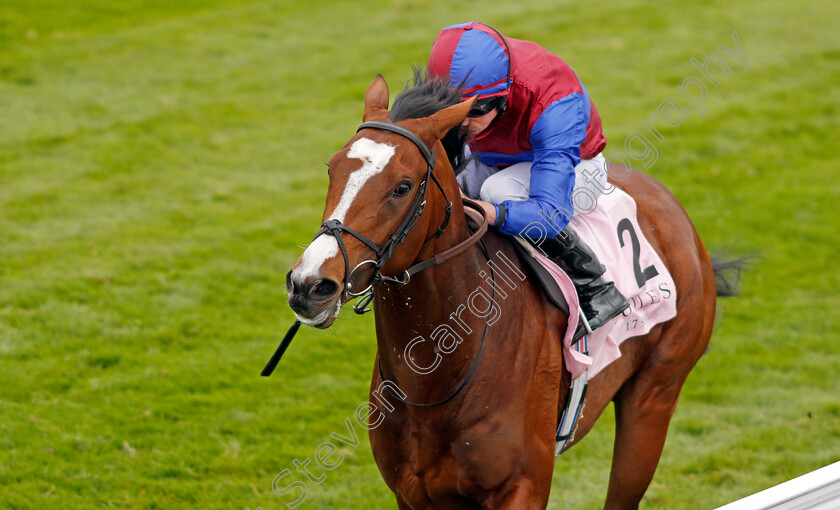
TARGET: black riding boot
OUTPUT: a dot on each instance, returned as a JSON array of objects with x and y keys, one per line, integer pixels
[{"x": 599, "y": 299}]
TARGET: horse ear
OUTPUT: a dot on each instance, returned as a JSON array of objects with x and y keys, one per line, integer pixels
[
  {"x": 376, "y": 97},
  {"x": 433, "y": 128}
]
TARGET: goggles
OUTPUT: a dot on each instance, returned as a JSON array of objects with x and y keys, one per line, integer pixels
[{"x": 484, "y": 106}]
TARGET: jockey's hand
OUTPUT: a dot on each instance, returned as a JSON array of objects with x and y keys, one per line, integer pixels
[
  {"x": 488, "y": 208},
  {"x": 489, "y": 211}
]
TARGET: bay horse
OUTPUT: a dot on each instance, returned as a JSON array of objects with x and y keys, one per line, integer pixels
[{"x": 475, "y": 429}]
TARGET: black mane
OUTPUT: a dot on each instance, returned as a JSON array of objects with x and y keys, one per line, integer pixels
[{"x": 426, "y": 97}]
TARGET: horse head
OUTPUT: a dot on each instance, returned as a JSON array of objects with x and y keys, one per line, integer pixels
[{"x": 380, "y": 209}]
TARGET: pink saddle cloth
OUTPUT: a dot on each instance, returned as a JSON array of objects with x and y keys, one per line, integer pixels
[{"x": 613, "y": 232}]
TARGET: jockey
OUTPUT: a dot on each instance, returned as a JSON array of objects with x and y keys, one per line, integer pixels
[{"x": 535, "y": 145}]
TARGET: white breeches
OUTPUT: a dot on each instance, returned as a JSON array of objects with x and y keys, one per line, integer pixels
[{"x": 513, "y": 183}]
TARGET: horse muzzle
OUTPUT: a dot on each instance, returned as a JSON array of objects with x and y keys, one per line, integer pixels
[{"x": 315, "y": 301}]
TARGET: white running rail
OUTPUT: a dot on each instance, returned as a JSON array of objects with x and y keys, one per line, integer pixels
[{"x": 817, "y": 490}]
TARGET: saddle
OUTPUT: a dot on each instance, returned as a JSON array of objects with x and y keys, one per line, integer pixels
[
  {"x": 546, "y": 280},
  {"x": 612, "y": 231}
]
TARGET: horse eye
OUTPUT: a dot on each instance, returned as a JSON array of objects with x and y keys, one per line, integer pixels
[{"x": 402, "y": 188}]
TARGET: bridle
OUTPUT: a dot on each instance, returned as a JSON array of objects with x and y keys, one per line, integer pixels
[{"x": 334, "y": 228}]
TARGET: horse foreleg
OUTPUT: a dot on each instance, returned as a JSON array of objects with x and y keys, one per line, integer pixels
[{"x": 643, "y": 411}]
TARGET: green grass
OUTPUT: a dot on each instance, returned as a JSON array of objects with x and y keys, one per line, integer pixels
[{"x": 161, "y": 163}]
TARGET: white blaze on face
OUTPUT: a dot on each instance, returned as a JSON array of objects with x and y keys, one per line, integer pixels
[{"x": 375, "y": 157}]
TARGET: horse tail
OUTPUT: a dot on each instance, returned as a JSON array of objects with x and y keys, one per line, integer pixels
[{"x": 728, "y": 273}]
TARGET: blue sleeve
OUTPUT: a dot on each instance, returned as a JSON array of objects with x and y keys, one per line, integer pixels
[{"x": 555, "y": 140}]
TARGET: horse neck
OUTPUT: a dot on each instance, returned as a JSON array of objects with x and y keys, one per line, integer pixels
[{"x": 432, "y": 312}]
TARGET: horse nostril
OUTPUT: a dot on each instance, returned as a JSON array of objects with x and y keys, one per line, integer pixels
[
  {"x": 290, "y": 284},
  {"x": 322, "y": 289}
]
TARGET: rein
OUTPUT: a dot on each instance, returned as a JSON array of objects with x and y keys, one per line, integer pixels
[
  {"x": 335, "y": 228},
  {"x": 475, "y": 363}
]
